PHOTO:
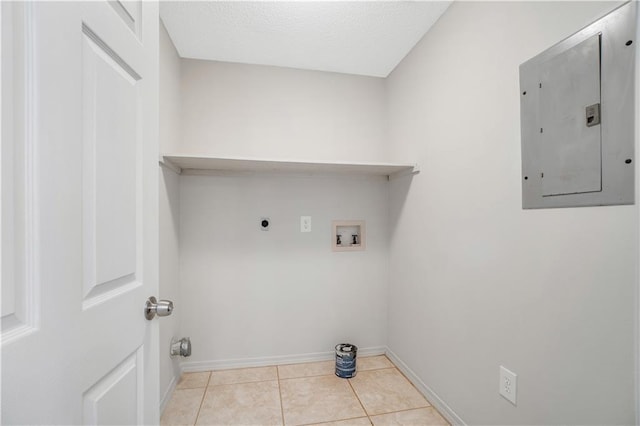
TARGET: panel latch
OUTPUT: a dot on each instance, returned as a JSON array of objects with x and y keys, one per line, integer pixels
[{"x": 593, "y": 115}]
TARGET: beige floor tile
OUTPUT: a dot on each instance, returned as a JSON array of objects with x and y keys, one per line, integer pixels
[
  {"x": 243, "y": 375},
  {"x": 421, "y": 417},
  {"x": 242, "y": 404},
  {"x": 193, "y": 380},
  {"x": 373, "y": 363},
  {"x": 360, "y": 421},
  {"x": 318, "y": 399},
  {"x": 310, "y": 369},
  {"x": 385, "y": 391},
  {"x": 182, "y": 408}
]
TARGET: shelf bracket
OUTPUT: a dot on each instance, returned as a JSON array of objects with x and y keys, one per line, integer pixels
[
  {"x": 163, "y": 161},
  {"x": 414, "y": 171}
]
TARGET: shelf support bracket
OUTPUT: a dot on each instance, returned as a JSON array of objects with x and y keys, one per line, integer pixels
[
  {"x": 163, "y": 161},
  {"x": 414, "y": 171}
]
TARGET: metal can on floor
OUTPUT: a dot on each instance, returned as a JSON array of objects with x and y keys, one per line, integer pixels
[{"x": 346, "y": 360}]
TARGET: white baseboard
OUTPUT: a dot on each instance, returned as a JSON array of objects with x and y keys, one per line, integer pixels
[
  {"x": 226, "y": 364},
  {"x": 433, "y": 398},
  {"x": 168, "y": 394}
]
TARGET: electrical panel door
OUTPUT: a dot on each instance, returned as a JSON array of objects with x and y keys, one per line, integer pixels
[
  {"x": 577, "y": 117},
  {"x": 570, "y": 156}
]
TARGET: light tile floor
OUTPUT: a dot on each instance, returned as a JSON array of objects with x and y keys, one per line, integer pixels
[{"x": 300, "y": 394}]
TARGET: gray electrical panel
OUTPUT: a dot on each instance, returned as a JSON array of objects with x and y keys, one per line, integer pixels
[{"x": 577, "y": 117}]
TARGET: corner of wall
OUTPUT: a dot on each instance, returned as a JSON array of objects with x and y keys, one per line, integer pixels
[
  {"x": 433, "y": 398},
  {"x": 169, "y": 211}
]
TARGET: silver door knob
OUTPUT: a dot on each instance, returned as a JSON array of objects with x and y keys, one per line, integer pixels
[{"x": 153, "y": 307}]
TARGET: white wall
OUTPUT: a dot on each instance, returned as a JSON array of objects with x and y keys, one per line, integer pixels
[
  {"x": 269, "y": 112},
  {"x": 264, "y": 294},
  {"x": 169, "y": 94},
  {"x": 255, "y": 294},
  {"x": 477, "y": 282}
]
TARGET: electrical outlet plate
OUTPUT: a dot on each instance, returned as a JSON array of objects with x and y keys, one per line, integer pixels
[
  {"x": 305, "y": 223},
  {"x": 508, "y": 384}
]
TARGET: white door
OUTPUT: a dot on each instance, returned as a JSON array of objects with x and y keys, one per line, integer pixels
[{"x": 79, "y": 212}]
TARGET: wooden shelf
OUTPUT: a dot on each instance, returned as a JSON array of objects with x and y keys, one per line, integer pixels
[{"x": 193, "y": 164}]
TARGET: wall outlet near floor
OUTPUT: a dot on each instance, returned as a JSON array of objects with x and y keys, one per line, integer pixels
[
  {"x": 508, "y": 384},
  {"x": 305, "y": 223}
]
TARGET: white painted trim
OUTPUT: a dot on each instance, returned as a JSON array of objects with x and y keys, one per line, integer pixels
[
  {"x": 168, "y": 394},
  {"x": 226, "y": 364},
  {"x": 637, "y": 289},
  {"x": 437, "y": 402}
]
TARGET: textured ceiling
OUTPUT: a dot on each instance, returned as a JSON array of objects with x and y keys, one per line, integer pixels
[{"x": 364, "y": 37}]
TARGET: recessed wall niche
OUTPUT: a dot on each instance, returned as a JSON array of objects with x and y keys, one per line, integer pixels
[{"x": 348, "y": 235}]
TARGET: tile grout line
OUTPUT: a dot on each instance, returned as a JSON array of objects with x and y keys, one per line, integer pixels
[
  {"x": 416, "y": 388},
  {"x": 332, "y": 421},
  {"x": 307, "y": 377},
  {"x": 332, "y": 374},
  {"x": 280, "y": 394},
  {"x": 206, "y": 388},
  {"x": 429, "y": 405},
  {"x": 412, "y": 385},
  {"x": 358, "y": 398},
  {"x": 402, "y": 411},
  {"x": 377, "y": 369},
  {"x": 239, "y": 383}
]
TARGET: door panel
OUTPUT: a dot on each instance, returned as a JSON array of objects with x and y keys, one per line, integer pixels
[
  {"x": 129, "y": 11},
  {"x": 111, "y": 143},
  {"x": 90, "y": 180},
  {"x": 116, "y": 398}
]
